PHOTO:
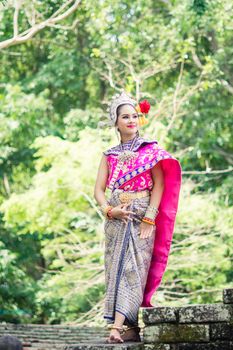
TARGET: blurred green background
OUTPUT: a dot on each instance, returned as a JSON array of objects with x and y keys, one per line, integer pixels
[{"x": 54, "y": 89}]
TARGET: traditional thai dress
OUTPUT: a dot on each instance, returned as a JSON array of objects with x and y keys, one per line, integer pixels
[{"x": 134, "y": 266}]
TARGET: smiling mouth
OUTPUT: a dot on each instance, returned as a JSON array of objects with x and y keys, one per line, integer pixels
[{"x": 131, "y": 126}]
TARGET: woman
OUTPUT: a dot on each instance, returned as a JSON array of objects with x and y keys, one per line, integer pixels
[{"x": 140, "y": 215}]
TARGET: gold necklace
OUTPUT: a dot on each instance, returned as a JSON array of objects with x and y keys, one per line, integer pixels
[
  {"x": 124, "y": 156},
  {"x": 127, "y": 155}
]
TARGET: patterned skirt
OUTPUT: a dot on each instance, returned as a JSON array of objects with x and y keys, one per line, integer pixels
[{"x": 127, "y": 260}]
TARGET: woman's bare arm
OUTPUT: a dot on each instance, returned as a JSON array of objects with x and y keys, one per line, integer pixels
[
  {"x": 101, "y": 181},
  {"x": 158, "y": 187},
  {"x": 118, "y": 211}
]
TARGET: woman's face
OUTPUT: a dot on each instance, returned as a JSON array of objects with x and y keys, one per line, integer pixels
[{"x": 127, "y": 121}]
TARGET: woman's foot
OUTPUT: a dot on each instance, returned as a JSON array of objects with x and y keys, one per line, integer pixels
[
  {"x": 132, "y": 335},
  {"x": 115, "y": 336}
]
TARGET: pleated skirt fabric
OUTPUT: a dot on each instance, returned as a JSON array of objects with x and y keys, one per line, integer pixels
[{"x": 127, "y": 260}]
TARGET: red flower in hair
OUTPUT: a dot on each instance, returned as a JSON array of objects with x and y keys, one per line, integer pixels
[{"x": 144, "y": 106}]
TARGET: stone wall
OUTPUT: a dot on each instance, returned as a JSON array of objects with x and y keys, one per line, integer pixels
[{"x": 192, "y": 327}]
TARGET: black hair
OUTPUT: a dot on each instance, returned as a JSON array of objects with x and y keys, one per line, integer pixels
[{"x": 119, "y": 108}]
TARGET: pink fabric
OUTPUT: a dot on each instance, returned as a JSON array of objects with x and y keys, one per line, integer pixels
[
  {"x": 143, "y": 180},
  {"x": 137, "y": 177}
]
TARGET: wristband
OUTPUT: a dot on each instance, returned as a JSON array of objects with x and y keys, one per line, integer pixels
[
  {"x": 148, "y": 220},
  {"x": 151, "y": 212}
]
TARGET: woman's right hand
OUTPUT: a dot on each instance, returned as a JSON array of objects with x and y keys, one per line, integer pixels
[{"x": 120, "y": 212}]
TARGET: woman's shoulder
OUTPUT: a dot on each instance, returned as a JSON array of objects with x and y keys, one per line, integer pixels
[
  {"x": 140, "y": 142},
  {"x": 112, "y": 150},
  {"x": 144, "y": 141}
]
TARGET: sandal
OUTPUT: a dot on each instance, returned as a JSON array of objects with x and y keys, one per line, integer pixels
[
  {"x": 111, "y": 338},
  {"x": 127, "y": 334},
  {"x": 132, "y": 334}
]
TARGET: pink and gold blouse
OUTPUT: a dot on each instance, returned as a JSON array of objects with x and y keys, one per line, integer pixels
[{"x": 136, "y": 174}]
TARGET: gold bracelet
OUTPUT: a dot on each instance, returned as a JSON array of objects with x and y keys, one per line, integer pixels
[
  {"x": 106, "y": 210},
  {"x": 150, "y": 207},
  {"x": 109, "y": 214},
  {"x": 151, "y": 214}
]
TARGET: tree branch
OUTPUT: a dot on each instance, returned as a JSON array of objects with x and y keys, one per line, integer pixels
[
  {"x": 198, "y": 63},
  {"x": 29, "y": 33},
  {"x": 203, "y": 172},
  {"x": 15, "y": 20},
  {"x": 227, "y": 86}
]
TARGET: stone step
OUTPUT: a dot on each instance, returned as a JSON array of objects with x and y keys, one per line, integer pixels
[
  {"x": 198, "y": 313},
  {"x": 101, "y": 346},
  {"x": 90, "y": 330},
  {"x": 53, "y": 334},
  {"x": 86, "y": 346},
  {"x": 53, "y": 341},
  {"x": 221, "y": 345},
  {"x": 41, "y": 337},
  {"x": 43, "y": 333},
  {"x": 190, "y": 327}
]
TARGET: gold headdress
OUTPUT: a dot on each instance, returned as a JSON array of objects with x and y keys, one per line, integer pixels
[{"x": 125, "y": 98}]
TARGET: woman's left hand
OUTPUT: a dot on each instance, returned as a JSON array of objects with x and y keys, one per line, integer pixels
[{"x": 146, "y": 230}]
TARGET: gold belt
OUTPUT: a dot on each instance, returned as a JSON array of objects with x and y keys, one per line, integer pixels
[{"x": 127, "y": 196}]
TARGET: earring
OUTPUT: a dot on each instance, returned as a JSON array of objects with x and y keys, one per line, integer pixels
[{"x": 117, "y": 134}]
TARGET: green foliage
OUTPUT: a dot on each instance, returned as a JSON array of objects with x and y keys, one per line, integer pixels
[
  {"x": 59, "y": 187},
  {"x": 200, "y": 264},
  {"x": 23, "y": 117},
  {"x": 17, "y": 289},
  {"x": 199, "y": 6},
  {"x": 77, "y": 120}
]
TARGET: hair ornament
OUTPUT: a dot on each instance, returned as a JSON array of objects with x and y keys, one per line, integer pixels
[
  {"x": 122, "y": 98},
  {"x": 143, "y": 108}
]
